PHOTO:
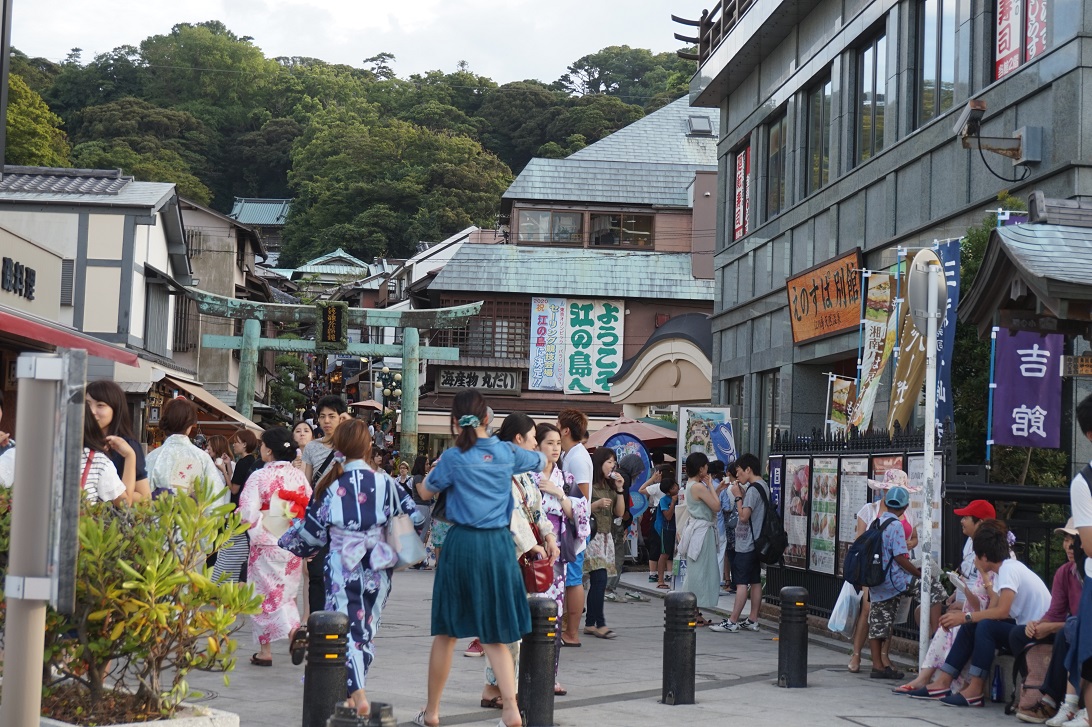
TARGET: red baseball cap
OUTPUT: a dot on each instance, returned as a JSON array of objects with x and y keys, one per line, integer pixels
[{"x": 981, "y": 509}]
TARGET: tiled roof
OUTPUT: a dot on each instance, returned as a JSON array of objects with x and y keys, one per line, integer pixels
[
  {"x": 1057, "y": 254},
  {"x": 279, "y": 296},
  {"x": 662, "y": 137},
  {"x": 47, "y": 185},
  {"x": 330, "y": 270},
  {"x": 335, "y": 255},
  {"x": 572, "y": 272},
  {"x": 580, "y": 180},
  {"x": 257, "y": 211},
  {"x": 63, "y": 181}
]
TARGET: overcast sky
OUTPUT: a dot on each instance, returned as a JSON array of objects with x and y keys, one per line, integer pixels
[{"x": 506, "y": 40}]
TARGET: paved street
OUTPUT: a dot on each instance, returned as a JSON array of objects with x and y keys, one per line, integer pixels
[{"x": 610, "y": 682}]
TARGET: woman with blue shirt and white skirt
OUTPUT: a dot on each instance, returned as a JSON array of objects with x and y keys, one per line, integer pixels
[{"x": 478, "y": 589}]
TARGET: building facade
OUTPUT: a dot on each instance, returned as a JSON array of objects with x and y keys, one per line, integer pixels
[{"x": 837, "y": 134}]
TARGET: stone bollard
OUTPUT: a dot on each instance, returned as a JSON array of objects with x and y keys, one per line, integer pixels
[
  {"x": 536, "y": 664},
  {"x": 792, "y": 641},
  {"x": 680, "y": 647},
  {"x": 325, "y": 675}
]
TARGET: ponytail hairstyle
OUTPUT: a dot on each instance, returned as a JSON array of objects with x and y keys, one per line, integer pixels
[
  {"x": 603, "y": 454},
  {"x": 468, "y": 412},
  {"x": 515, "y": 424},
  {"x": 279, "y": 441},
  {"x": 352, "y": 440}
]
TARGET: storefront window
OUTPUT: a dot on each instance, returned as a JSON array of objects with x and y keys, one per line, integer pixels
[{"x": 621, "y": 229}]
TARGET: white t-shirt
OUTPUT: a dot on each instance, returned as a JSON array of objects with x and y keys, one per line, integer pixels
[
  {"x": 1032, "y": 596},
  {"x": 7, "y": 468},
  {"x": 1080, "y": 501},
  {"x": 578, "y": 464},
  {"x": 653, "y": 492}
]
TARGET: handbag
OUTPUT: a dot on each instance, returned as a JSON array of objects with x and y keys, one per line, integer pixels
[
  {"x": 401, "y": 535},
  {"x": 538, "y": 574}
]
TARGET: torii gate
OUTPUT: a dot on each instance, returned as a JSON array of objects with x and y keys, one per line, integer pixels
[{"x": 335, "y": 317}]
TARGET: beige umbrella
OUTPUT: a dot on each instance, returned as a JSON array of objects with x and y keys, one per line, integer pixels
[{"x": 650, "y": 434}]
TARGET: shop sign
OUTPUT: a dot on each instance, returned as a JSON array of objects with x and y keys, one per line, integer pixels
[
  {"x": 17, "y": 278},
  {"x": 1027, "y": 398},
  {"x": 1077, "y": 366},
  {"x": 1036, "y": 41},
  {"x": 547, "y": 365},
  {"x": 742, "y": 197},
  {"x": 826, "y": 299},
  {"x": 1009, "y": 34},
  {"x": 575, "y": 345},
  {"x": 333, "y": 327},
  {"x": 494, "y": 381}
]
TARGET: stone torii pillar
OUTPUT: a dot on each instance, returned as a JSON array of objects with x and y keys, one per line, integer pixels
[{"x": 333, "y": 319}]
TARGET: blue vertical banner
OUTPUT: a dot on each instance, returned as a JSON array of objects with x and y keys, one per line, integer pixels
[{"x": 948, "y": 252}]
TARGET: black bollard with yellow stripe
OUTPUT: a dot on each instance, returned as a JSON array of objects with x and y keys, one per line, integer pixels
[
  {"x": 680, "y": 647},
  {"x": 536, "y": 664},
  {"x": 325, "y": 676},
  {"x": 792, "y": 638}
]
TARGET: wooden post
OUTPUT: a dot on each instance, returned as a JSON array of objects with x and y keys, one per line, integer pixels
[
  {"x": 248, "y": 367},
  {"x": 411, "y": 362}
]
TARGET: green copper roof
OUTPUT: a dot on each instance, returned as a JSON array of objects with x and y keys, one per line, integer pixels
[{"x": 255, "y": 211}]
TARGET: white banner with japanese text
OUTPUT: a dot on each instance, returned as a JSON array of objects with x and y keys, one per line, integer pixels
[
  {"x": 595, "y": 330},
  {"x": 547, "y": 350}
]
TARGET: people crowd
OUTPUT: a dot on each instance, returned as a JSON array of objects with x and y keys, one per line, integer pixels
[{"x": 316, "y": 501}]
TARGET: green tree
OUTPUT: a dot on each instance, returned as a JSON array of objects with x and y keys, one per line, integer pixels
[
  {"x": 39, "y": 73},
  {"x": 108, "y": 77},
  {"x": 635, "y": 75},
  {"x": 594, "y": 117},
  {"x": 515, "y": 118},
  {"x": 34, "y": 136},
  {"x": 284, "y": 389},
  {"x": 152, "y": 163}
]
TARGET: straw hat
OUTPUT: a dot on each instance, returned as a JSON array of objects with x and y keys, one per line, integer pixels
[{"x": 893, "y": 478}]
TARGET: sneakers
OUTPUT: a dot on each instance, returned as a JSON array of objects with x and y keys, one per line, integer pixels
[
  {"x": 750, "y": 625},
  {"x": 636, "y": 597},
  {"x": 612, "y": 597},
  {"x": 1037, "y": 714},
  {"x": 1081, "y": 720},
  {"x": 726, "y": 627},
  {"x": 652, "y": 578},
  {"x": 1064, "y": 713},
  {"x": 475, "y": 649}
]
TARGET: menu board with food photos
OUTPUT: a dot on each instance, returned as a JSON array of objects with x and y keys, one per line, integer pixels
[
  {"x": 796, "y": 495},
  {"x": 853, "y": 491},
  {"x": 823, "y": 515}
]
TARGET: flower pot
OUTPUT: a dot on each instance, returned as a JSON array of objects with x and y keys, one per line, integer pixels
[{"x": 187, "y": 716}]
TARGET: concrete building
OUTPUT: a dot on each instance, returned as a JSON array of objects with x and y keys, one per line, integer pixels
[{"x": 837, "y": 134}]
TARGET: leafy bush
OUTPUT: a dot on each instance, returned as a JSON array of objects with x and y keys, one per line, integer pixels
[{"x": 147, "y": 611}]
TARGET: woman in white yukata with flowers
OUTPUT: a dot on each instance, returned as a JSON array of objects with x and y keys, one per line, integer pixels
[
  {"x": 271, "y": 498},
  {"x": 349, "y": 510}
]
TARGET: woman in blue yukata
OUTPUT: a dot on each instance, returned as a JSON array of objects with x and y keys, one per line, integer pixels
[
  {"x": 478, "y": 589},
  {"x": 349, "y": 509}
]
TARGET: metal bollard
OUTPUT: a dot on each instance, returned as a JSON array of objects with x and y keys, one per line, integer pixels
[
  {"x": 792, "y": 635},
  {"x": 382, "y": 715},
  {"x": 325, "y": 675},
  {"x": 535, "y": 694},
  {"x": 680, "y": 647}
]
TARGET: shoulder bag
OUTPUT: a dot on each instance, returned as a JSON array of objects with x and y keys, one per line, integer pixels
[
  {"x": 538, "y": 574},
  {"x": 400, "y": 533}
]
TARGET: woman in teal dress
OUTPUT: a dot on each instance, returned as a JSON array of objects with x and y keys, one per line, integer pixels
[{"x": 698, "y": 541}]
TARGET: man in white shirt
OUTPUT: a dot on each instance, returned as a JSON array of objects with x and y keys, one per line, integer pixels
[
  {"x": 573, "y": 425},
  {"x": 1080, "y": 500}
]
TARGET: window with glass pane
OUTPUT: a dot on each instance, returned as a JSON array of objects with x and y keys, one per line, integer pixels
[
  {"x": 775, "y": 168},
  {"x": 567, "y": 227},
  {"x": 936, "y": 58},
  {"x": 871, "y": 96},
  {"x": 534, "y": 226},
  {"x": 818, "y": 136},
  {"x": 621, "y": 229}
]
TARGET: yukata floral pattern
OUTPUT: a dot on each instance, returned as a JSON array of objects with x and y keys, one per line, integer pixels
[
  {"x": 350, "y": 516},
  {"x": 275, "y": 574},
  {"x": 177, "y": 463}
]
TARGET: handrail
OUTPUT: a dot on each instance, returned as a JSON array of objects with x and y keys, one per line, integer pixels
[{"x": 714, "y": 26}]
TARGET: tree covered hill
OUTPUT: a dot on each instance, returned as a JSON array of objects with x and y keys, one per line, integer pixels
[{"x": 375, "y": 162}]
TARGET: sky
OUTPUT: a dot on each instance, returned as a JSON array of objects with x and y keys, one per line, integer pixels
[{"x": 506, "y": 40}]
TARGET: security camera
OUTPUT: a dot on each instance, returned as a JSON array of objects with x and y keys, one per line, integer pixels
[{"x": 970, "y": 120}]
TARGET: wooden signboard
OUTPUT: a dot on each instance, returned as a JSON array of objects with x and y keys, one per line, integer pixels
[
  {"x": 1077, "y": 366},
  {"x": 826, "y": 299},
  {"x": 332, "y": 332}
]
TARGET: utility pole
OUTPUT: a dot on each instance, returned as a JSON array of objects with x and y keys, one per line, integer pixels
[{"x": 5, "y": 69}]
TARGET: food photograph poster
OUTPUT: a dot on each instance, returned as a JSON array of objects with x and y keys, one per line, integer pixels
[
  {"x": 853, "y": 486},
  {"x": 797, "y": 494},
  {"x": 823, "y": 513}
]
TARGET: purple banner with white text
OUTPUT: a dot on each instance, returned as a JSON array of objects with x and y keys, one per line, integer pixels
[{"x": 1027, "y": 409}]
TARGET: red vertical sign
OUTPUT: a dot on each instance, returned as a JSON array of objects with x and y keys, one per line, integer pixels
[
  {"x": 1036, "y": 40},
  {"x": 742, "y": 197},
  {"x": 1010, "y": 32}
]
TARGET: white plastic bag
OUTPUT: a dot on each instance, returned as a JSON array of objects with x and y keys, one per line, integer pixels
[{"x": 843, "y": 617}]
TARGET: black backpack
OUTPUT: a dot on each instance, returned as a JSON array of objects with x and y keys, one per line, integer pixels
[
  {"x": 772, "y": 541},
  {"x": 863, "y": 565}
]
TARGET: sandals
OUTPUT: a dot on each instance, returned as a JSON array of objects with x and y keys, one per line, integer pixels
[
  {"x": 606, "y": 634},
  {"x": 573, "y": 644},
  {"x": 850, "y": 668},
  {"x": 560, "y": 691},
  {"x": 297, "y": 645},
  {"x": 494, "y": 703},
  {"x": 419, "y": 720},
  {"x": 663, "y": 586},
  {"x": 260, "y": 662},
  {"x": 904, "y": 689}
]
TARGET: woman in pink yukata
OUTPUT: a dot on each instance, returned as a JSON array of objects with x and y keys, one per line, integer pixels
[{"x": 275, "y": 573}]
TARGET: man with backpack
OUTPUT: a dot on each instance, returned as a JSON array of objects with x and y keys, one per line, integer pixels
[{"x": 746, "y": 563}]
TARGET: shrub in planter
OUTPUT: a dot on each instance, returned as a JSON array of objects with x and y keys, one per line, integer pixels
[{"x": 147, "y": 611}]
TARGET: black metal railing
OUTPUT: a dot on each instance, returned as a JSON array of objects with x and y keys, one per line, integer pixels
[{"x": 713, "y": 27}]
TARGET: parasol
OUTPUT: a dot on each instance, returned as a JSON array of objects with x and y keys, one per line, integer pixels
[{"x": 649, "y": 434}]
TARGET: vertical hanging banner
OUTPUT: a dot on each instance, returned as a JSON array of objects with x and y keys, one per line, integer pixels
[
  {"x": 948, "y": 252},
  {"x": 1027, "y": 408},
  {"x": 594, "y": 337},
  {"x": 742, "y": 200},
  {"x": 909, "y": 375},
  {"x": 879, "y": 340},
  {"x": 1036, "y": 37},
  {"x": 843, "y": 396},
  {"x": 1010, "y": 32},
  {"x": 547, "y": 349},
  {"x": 1011, "y": 217}
]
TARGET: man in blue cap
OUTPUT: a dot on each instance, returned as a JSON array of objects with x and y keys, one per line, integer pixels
[{"x": 901, "y": 576}]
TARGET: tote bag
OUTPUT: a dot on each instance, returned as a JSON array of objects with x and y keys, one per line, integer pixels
[{"x": 401, "y": 535}]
